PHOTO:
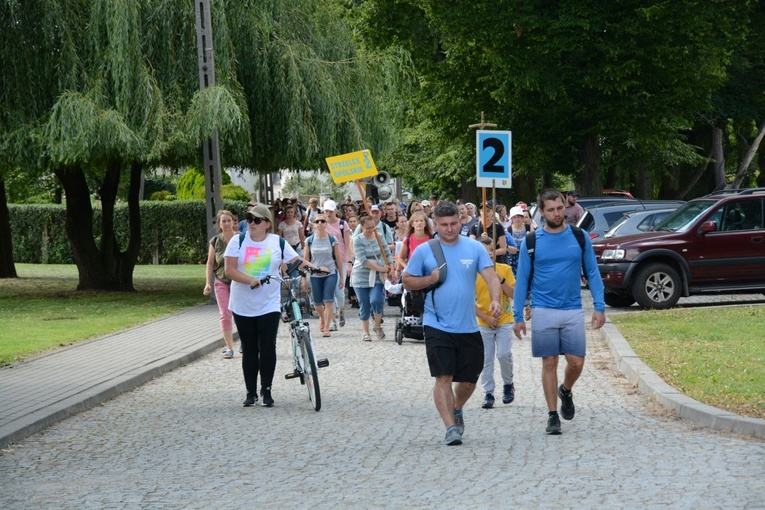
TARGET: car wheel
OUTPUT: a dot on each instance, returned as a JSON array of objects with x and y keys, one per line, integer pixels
[
  {"x": 618, "y": 301},
  {"x": 656, "y": 286}
]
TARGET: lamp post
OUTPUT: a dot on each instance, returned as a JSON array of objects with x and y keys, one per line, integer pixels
[{"x": 210, "y": 147}]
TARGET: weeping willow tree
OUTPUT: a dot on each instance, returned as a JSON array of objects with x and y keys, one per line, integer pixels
[
  {"x": 107, "y": 106},
  {"x": 106, "y": 88},
  {"x": 311, "y": 90}
]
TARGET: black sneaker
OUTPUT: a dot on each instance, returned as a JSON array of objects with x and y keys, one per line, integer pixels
[
  {"x": 508, "y": 393},
  {"x": 488, "y": 401},
  {"x": 250, "y": 400},
  {"x": 566, "y": 404},
  {"x": 553, "y": 424},
  {"x": 267, "y": 400}
]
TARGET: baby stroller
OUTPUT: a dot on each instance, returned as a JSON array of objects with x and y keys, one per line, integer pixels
[{"x": 409, "y": 325}]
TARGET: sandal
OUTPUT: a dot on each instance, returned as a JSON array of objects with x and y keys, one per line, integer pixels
[
  {"x": 326, "y": 333},
  {"x": 366, "y": 337},
  {"x": 380, "y": 332}
]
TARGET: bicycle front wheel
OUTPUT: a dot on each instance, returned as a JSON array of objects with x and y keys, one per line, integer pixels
[{"x": 310, "y": 370}]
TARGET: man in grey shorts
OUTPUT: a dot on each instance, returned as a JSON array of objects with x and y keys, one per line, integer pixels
[{"x": 556, "y": 297}]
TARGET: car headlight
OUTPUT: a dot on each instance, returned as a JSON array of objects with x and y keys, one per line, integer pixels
[{"x": 613, "y": 254}]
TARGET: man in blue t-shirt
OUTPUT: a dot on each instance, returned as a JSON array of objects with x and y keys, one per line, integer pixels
[
  {"x": 556, "y": 298},
  {"x": 453, "y": 342}
]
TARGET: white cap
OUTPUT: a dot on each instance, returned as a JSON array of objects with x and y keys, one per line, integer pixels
[
  {"x": 425, "y": 203},
  {"x": 515, "y": 211},
  {"x": 330, "y": 205}
]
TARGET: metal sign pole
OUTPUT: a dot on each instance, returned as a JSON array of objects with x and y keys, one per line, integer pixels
[{"x": 483, "y": 125}]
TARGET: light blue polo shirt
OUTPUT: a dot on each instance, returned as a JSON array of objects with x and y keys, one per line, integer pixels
[{"x": 454, "y": 310}]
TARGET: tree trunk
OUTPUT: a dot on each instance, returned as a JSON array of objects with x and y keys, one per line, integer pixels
[
  {"x": 719, "y": 157},
  {"x": 680, "y": 195},
  {"x": 79, "y": 229},
  {"x": 120, "y": 265},
  {"x": 643, "y": 184},
  {"x": 107, "y": 268},
  {"x": 109, "y": 247},
  {"x": 7, "y": 268},
  {"x": 744, "y": 167},
  {"x": 524, "y": 189},
  {"x": 669, "y": 183},
  {"x": 127, "y": 260},
  {"x": 589, "y": 158},
  {"x": 547, "y": 181},
  {"x": 612, "y": 175},
  {"x": 468, "y": 191}
]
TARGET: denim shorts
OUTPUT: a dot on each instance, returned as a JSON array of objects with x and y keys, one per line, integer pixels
[
  {"x": 323, "y": 288},
  {"x": 555, "y": 332}
]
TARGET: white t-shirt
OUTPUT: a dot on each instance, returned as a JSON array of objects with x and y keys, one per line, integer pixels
[{"x": 257, "y": 260}]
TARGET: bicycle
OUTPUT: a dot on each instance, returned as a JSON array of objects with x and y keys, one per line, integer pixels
[{"x": 306, "y": 364}]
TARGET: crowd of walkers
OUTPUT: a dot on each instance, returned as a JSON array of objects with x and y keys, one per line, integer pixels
[{"x": 366, "y": 248}]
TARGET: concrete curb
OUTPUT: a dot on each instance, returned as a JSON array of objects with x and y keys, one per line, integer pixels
[{"x": 650, "y": 384}]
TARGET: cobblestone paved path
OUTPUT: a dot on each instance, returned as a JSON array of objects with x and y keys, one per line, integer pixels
[{"x": 185, "y": 441}]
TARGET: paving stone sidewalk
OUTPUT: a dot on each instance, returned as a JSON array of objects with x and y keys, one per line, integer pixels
[
  {"x": 43, "y": 391},
  {"x": 185, "y": 441}
]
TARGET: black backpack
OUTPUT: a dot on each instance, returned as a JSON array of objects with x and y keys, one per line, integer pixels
[
  {"x": 531, "y": 242},
  {"x": 418, "y": 296}
]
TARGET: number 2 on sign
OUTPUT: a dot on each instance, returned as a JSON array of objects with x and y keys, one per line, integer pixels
[{"x": 499, "y": 151}]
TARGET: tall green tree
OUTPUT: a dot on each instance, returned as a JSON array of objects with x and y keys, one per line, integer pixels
[
  {"x": 587, "y": 87},
  {"x": 104, "y": 88}
]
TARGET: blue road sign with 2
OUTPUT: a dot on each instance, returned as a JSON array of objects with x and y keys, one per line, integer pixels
[{"x": 493, "y": 159}]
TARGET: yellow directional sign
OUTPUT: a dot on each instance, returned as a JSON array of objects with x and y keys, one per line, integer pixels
[{"x": 351, "y": 166}]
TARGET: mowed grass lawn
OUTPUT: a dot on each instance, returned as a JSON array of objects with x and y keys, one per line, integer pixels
[
  {"x": 713, "y": 355},
  {"x": 41, "y": 309}
]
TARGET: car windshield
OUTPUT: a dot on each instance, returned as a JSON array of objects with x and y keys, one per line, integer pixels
[{"x": 683, "y": 218}]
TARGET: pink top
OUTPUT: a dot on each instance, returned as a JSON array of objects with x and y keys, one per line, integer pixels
[
  {"x": 334, "y": 229},
  {"x": 412, "y": 243}
]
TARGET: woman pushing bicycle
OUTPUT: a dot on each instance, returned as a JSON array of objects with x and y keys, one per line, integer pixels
[{"x": 249, "y": 258}]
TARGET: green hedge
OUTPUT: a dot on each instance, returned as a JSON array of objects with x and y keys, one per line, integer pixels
[{"x": 172, "y": 232}]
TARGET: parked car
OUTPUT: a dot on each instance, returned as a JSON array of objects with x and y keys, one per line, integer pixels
[
  {"x": 618, "y": 193},
  {"x": 712, "y": 244},
  {"x": 598, "y": 219},
  {"x": 636, "y": 222},
  {"x": 585, "y": 202}
]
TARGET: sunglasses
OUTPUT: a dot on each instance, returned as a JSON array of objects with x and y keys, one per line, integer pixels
[
  {"x": 256, "y": 221},
  {"x": 320, "y": 221}
]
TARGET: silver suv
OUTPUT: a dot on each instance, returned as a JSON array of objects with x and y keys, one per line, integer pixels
[{"x": 596, "y": 220}]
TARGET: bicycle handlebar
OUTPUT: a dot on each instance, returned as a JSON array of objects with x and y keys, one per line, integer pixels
[{"x": 301, "y": 272}]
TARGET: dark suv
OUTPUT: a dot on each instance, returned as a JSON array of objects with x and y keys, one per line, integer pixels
[{"x": 712, "y": 244}]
